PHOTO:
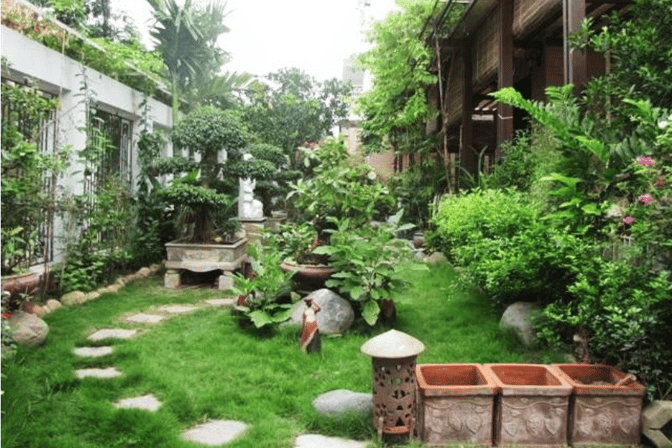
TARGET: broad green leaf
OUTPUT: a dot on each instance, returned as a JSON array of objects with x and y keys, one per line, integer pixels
[{"x": 370, "y": 312}]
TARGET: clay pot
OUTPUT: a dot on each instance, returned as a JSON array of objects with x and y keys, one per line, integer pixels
[{"x": 312, "y": 276}]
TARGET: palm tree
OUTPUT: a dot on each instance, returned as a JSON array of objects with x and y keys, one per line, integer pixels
[{"x": 186, "y": 38}]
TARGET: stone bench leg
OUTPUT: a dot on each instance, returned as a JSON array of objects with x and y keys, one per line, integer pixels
[
  {"x": 171, "y": 279},
  {"x": 226, "y": 280}
]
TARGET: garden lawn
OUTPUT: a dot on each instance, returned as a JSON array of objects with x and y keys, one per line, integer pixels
[{"x": 202, "y": 366}]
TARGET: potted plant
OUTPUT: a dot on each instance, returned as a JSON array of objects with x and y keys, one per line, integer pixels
[
  {"x": 370, "y": 265},
  {"x": 265, "y": 299},
  {"x": 298, "y": 243},
  {"x": 205, "y": 192}
]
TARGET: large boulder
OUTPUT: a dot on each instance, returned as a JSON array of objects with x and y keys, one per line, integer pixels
[
  {"x": 28, "y": 329},
  {"x": 341, "y": 401},
  {"x": 520, "y": 317},
  {"x": 336, "y": 314}
]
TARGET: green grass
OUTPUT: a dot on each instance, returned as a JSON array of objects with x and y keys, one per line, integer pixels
[{"x": 203, "y": 366}]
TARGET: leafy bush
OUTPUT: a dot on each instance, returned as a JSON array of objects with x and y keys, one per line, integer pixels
[
  {"x": 625, "y": 315},
  {"x": 505, "y": 248}
]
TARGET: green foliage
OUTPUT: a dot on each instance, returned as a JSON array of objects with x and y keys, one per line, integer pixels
[
  {"x": 371, "y": 265},
  {"x": 25, "y": 201},
  {"x": 516, "y": 170},
  {"x": 416, "y": 188},
  {"x": 624, "y": 313},
  {"x": 200, "y": 196},
  {"x": 399, "y": 62},
  {"x": 293, "y": 108},
  {"x": 265, "y": 295},
  {"x": 339, "y": 190}
]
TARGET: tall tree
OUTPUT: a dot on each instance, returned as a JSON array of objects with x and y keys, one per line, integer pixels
[{"x": 186, "y": 38}]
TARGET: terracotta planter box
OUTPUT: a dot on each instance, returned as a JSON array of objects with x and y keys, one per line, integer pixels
[
  {"x": 455, "y": 403},
  {"x": 605, "y": 407},
  {"x": 532, "y": 406}
]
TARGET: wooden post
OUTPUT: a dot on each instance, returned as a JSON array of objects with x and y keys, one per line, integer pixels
[
  {"x": 575, "y": 72},
  {"x": 467, "y": 159},
  {"x": 505, "y": 73}
]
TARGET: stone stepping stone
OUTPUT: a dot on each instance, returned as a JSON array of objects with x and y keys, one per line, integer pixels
[
  {"x": 110, "y": 372},
  {"x": 221, "y": 302},
  {"x": 215, "y": 432},
  {"x": 113, "y": 333},
  {"x": 142, "y": 318},
  {"x": 93, "y": 352},
  {"x": 340, "y": 401},
  {"x": 318, "y": 441},
  {"x": 146, "y": 402},
  {"x": 178, "y": 309}
]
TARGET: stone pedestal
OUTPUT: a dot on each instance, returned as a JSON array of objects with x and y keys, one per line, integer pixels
[
  {"x": 253, "y": 228},
  {"x": 171, "y": 279},
  {"x": 225, "y": 281}
]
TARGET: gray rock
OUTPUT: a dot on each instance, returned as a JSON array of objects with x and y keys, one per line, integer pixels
[
  {"x": 519, "y": 317},
  {"x": 28, "y": 329},
  {"x": 338, "y": 402},
  {"x": 336, "y": 314},
  {"x": 320, "y": 441},
  {"x": 436, "y": 258}
]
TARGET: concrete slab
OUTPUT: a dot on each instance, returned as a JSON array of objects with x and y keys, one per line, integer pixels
[
  {"x": 221, "y": 302},
  {"x": 110, "y": 372},
  {"x": 146, "y": 402},
  {"x": 112, "y": 333},
  {"x": 215, "y": 432},
  {"x": 93, "y": 352},
  {"x": 178, "y": 309},
  {"x": 142, "y": 318},
  {"x": 318, "y": 441}
]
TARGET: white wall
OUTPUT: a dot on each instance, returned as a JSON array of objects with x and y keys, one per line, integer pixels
[{"x": 63, "y": 77}]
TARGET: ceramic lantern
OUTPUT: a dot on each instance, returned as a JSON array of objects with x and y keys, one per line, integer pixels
[{"x": 394, "y": 384}]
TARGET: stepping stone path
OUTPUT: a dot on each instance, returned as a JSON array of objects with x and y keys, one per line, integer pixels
[
  {"x": 143, "y": 318},
  {"x": 93, "y": 352},
  {"x": 110, "y": 372},
  {"x": 318, "y": 441},
  {"x": 215, "y": 432},
  {"x": 114, "y": 333},
  {"x": 221, "y": 302},
  {"x": 146, "y": 402},
  {"x": 211, "y": 433}
]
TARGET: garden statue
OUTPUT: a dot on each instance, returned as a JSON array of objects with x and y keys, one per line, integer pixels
[
  {"x": 248, "y": 207},
  {"x": 310, "y": 335}
]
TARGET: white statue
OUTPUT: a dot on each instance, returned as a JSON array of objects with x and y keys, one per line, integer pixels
[{"x": 248, "y": 207}]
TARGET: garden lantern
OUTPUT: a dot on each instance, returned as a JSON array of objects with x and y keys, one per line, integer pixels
[{"x": 394, "y": 383}]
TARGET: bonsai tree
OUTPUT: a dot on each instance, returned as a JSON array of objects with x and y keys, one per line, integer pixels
[{"x": 205, "y": 195}]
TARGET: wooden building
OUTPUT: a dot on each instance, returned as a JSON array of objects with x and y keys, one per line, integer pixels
[{"x": 502, "y": 43}]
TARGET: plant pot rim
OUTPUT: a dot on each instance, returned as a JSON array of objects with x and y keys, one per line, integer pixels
[
  {"x": 488, "y": 387},
  {"x": 526, "y": 373},
  {"x": 614, "y": 375},
  {"x": 185, "y": 242}
]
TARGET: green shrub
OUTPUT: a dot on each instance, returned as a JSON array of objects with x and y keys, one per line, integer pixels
[
  {"x": 505, "y": 248},
  {"x": 625, "y": 314}
]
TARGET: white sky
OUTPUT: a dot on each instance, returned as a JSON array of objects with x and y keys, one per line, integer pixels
[{"x": 266, "y": 35}]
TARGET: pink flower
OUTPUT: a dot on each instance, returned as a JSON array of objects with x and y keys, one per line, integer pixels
[
  {"x": 628, "y": 220},
  {"x": 645, "y": 161},
  {"x": 645, "y": 199}
]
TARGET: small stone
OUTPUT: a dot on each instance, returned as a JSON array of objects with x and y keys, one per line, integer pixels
[
  {"x": 178, "y": 309},
  {"x": 53, "y": 305},
  {"x": 436, "y": 258},
  {"x": 92, "y": 352},
  {"x": 319, "y": 441},
  {"x": 142, "y": 318},
  {"x": 114, "y": 333},
  {"x": 341, "y": 401},
  {"x": 72, "y": 298},
  {"x": 28, "y": 329},
  {"x": 144, "y": 272},
  {"x": 221, "y": 302},
  {"x": 40, "y": 311},
  {"x": 110, "y": 372},
  {"x": 146, "y": 402},
  {"x": 215, "y": 432}
]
